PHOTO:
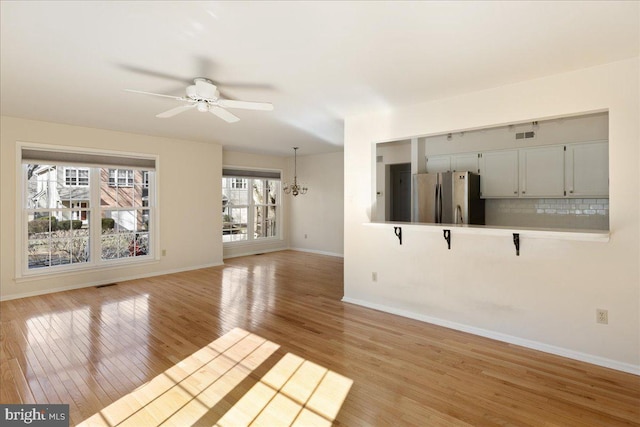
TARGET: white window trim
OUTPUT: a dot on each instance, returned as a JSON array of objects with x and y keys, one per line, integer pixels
[
  {"x": 280, "y": 219},
  {"x": 96, "y": 263}
]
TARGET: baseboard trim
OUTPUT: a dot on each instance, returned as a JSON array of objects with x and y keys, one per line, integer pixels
[
  {"x": 535, "y": 345},
  {"x": 106, "y": 281},
  {"x": 313, "y": 251},
  {"x": 254, "y": 252}
]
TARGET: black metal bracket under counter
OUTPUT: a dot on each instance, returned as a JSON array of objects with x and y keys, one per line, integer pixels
[
  {"x": 398, "y": 232},
  {"x": 447, "y": 237},
  {"x": 516, "y": 242}
]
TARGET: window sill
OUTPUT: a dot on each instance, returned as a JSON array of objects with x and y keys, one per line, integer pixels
[{"x": 105, "y": 266}]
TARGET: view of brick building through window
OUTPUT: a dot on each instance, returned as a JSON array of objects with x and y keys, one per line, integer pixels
[{"x": 62, "y": 202}]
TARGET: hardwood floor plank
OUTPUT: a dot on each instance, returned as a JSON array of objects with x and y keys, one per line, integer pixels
[{"x": 93, "y": 348}]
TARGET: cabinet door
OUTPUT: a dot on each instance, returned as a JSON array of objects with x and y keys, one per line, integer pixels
[
  {"x": 499, "y": 174},
  {"x": 542, "y": 171},
  {"x": 464, "y": 162},
  {"x": 438, "y": 164},
  {"x": 587, "y": 169}
]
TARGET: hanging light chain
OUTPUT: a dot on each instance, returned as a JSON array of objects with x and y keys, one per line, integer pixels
[{"x": 294, "y": 188}]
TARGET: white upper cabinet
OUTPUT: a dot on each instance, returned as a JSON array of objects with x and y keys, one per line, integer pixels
[
  {"x": 542, "y": 171},
  {"x": 587, "y": 169},
  {"x": 464, "y": 162},
  {"x": 438, "y": 164},
  {"x": 499, "y": 174},
  {"x": 572, "y": 170}
]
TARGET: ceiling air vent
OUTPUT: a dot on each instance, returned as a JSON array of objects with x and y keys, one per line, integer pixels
[{"x": 525, "y": 135}]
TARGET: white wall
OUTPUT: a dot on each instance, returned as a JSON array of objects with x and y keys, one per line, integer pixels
[
  {"x": 189, "y": 177},
  {"x": 257, "y": 161},
  {"x": 547, "y": 297},
  {"x": 592, "y": 127},
  {"x": 319, "y": 214}
]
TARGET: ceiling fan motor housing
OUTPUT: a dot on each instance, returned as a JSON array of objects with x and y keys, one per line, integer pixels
[{"x": 203, "y": 90}]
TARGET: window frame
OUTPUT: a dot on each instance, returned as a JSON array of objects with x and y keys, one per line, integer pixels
[
  {"x": 251, "y": 205},
  {"x": 95, "y": 262}
]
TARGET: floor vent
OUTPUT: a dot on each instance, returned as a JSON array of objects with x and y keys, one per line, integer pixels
[{"x": 108, "y": 284}]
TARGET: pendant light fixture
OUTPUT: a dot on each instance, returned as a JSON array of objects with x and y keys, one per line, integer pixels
[{"x": 295, "y": 188}]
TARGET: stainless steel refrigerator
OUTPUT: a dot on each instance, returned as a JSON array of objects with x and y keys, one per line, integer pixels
[{"x": 447, "y": 198}]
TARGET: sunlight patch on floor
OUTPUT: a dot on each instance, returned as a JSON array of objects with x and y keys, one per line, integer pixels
[{"x": 295, "y": 392}]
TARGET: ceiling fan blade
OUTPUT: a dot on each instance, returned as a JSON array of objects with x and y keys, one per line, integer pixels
[
  {"x": 179, "y": 98},
  {"x": 223, "y": 114},
  {"x": 177, "y": 110},
  {"x": 247, "y": 105}
]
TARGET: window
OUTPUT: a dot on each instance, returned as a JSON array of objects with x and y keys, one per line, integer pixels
[
  {"x": 121, "y": 178},
  {"x": 250, "y": 206},
  {"x": 85, "y": 217},
  {"x": 76, "y": 177},
  {"x": 239, "y": 183}
]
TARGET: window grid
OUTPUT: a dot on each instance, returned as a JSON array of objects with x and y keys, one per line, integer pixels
[
  {"x": 250, "y": 209},
  {"x": 59, "y": 231}
]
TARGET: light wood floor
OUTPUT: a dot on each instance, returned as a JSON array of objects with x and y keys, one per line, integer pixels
[{"x": 92, "y": 346}]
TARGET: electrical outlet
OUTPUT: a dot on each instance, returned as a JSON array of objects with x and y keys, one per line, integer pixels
[
  {"x": 602, "y": 316},
  {"x": 164, "y": 252},
  {"x": 374, "y": 276},
  {"x": 305, "y": 236}
]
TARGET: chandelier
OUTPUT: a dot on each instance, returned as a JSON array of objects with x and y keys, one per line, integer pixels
[{"x": 295, "y": 188}]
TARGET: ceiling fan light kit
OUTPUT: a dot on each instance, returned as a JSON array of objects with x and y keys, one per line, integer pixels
[{"x": 204, "y": 96}]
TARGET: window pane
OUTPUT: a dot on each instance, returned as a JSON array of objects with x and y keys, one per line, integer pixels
[
  {"x": 264, "y": 222},
  {"x": 235, "y": 196},
  {"x": 125, "y": 197},
  {"x": 273, "y": 188},
  {"x": 58, "y": 207},
  {"x": 80, "y": 250},
  {"x": 234, "y": 225},
  {"x": 258, "y": 192},
  {"x": 125, "y": 233},
  {"x": 117, "y": 245},
  {"x": 57, "y": 238},
  {"x": 260, "y": 197},
  {"x": 38, "y": 253},
  {"x": 41, "y": 183},
  {"x": 123, "y": 188}
]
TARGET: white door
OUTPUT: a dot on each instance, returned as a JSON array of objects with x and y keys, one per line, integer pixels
[
  {"x": 499, "y": 174},
  {"x": 587, "y": 169},
  {"x": 542, "y": 171}
]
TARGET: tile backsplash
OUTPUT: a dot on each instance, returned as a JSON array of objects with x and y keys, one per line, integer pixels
[{"x": 591, "y": 214}]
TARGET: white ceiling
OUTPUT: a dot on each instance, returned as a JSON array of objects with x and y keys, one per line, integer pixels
[{"x": 317, "y": 62}]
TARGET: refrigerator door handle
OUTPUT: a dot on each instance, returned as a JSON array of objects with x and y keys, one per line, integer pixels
[
  {"x": 459, "y": 214},
  {"x": 435, "y": 204},
  {"x": 439, "y": 216}
]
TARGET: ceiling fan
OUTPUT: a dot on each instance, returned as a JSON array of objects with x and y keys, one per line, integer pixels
[{"x": 204, "y": 96}]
